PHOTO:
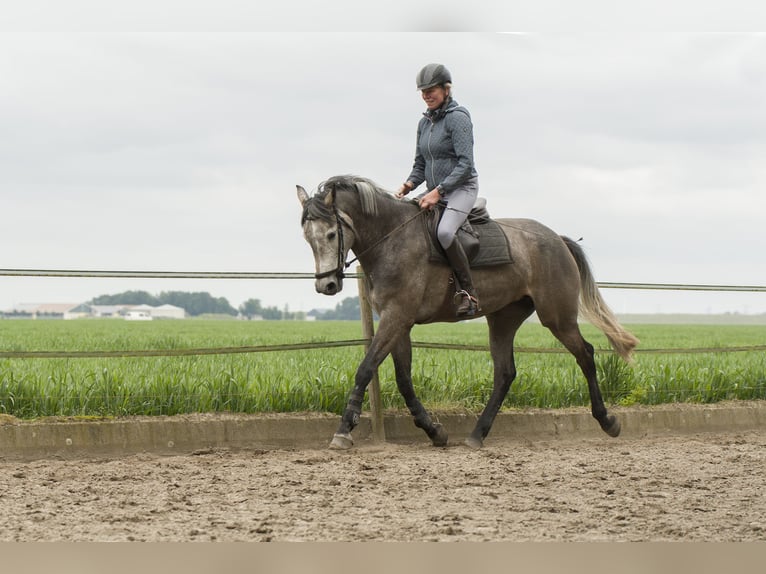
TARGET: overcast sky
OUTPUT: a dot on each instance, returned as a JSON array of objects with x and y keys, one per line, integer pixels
[{"x": 181, "y": 151}]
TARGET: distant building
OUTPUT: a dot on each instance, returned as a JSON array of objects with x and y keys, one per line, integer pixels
[
  {"x": 134, "y": 315},
  {"x": 107, "y": 310},
  {"x": 168, "y": 312},
  {"x": 39, "y": 310},
  {"x": 69, "y": 311},
  {"x": 162, "y": 312}
]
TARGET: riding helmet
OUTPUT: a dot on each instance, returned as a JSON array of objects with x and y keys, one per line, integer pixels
[{"x": 433, "y": 75}]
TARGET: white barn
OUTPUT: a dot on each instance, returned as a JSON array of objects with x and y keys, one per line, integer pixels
[
  {"x": 168, "y": 312},
  {"x": 162, "y": 312}
]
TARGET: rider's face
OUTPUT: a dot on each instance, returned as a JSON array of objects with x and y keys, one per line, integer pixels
[{"x": 434, "y": 97}]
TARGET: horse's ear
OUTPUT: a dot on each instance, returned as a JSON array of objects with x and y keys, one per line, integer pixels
[
  {"x": 329, "y": 199},
  {"x": 302, "y": 195}
]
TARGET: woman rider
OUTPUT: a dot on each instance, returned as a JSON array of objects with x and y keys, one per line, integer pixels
[{"x": 444, "y": 160}]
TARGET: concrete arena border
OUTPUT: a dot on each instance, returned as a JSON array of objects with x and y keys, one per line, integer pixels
[{"x": 195, "y": 433}]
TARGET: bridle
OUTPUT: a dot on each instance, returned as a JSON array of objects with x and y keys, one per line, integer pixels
[{"x": 342, "y": 265}]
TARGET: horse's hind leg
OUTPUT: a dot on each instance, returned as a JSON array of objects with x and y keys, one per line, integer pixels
[
  {"x": 572, "y": 339},
  {"x": 502, "y": 330},
  {"x": 402, "y": 355}
]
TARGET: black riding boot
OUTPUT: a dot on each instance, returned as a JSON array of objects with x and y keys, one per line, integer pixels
[{"x": 468, "y": 302}]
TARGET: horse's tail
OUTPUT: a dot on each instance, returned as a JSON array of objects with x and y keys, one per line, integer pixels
[{"x": 594, "y": 308}]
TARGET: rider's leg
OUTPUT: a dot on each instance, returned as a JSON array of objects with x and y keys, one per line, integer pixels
[{"x": 459, "y": 204}]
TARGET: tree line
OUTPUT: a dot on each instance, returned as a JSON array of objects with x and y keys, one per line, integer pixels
[{"x": 203, "y": 303}]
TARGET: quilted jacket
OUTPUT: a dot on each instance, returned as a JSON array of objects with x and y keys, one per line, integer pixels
[{"x": 444, "y": 151}]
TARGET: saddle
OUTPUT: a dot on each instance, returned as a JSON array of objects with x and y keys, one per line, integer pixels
[{"x": 483, "y": 240}]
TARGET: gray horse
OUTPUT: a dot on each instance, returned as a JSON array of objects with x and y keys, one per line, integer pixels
[{"x": 549, "y": 274}]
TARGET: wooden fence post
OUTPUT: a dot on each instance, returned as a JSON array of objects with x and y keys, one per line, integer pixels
[{"x": 368, "y": 331}]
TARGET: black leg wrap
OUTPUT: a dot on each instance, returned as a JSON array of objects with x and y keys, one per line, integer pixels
[{"x": 351, "y": 416}]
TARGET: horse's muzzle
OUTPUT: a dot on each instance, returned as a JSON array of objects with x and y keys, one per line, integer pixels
[{"x": 329, "y": 285}]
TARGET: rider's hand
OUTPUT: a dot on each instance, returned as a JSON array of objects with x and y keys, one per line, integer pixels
[
  {"x": 404, "y": 189},
  {"x": 430, "y": 199}
]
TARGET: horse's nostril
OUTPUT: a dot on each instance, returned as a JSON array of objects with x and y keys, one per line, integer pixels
[{"x": 331, "y": 287}]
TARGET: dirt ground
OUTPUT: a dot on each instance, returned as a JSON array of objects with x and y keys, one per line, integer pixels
[{"x": 704, "y": 487}]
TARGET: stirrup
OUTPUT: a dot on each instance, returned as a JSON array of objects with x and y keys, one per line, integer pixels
[{"x": 468, "y": 304}]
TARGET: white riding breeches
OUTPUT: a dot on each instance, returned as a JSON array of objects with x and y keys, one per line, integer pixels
[{"x": 460, "y": 201}]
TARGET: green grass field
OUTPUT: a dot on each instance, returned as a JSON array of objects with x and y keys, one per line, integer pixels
[{"x": 320, "y": 379}]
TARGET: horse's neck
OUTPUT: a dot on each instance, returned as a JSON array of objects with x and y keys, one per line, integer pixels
[{"x": 394, "y": 227}]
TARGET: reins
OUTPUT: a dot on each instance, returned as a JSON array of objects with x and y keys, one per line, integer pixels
[
  {"x": 342, "y": 266},
  {"x": 340, "y": 269},
  {"x": 383, "y": 238}
]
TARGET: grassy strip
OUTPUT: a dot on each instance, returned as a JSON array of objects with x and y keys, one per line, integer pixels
[{"x": 320, "y": 379}]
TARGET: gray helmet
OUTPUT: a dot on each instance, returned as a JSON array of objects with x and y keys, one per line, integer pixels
[{"x": 433, "y": 75}]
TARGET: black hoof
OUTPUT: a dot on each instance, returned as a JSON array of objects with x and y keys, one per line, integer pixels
[
  {"x": 439, "y": 437},
  {"x": 612, "y": 426},
  {"x": 474, "y": 443}
]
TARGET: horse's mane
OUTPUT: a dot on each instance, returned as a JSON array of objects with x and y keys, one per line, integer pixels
[{"x": 370, "y": 193}]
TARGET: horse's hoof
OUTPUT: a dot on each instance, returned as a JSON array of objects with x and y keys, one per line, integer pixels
[
  {"x": 613, "y": 427},
  {"x": 440, "y": 436},
  {"x": 341, "y": 442},
  {"x": 474, "y": 443}
]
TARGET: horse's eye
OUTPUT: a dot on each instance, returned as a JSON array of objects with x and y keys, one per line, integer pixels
[{"x": 331, "y": 236}]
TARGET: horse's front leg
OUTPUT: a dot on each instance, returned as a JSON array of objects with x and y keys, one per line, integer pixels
[
  {"x": 379, "y": 349},
  {"x": 402, "y": 355}
]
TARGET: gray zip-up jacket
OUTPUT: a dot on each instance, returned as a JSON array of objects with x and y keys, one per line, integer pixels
[{"x": 444, "y": 151}]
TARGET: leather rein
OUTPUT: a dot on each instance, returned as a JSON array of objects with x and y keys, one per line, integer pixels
[{"x": 342, "y": 265}]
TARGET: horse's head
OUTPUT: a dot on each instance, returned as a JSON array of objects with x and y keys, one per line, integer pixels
[{"x": 330, "y": 235}]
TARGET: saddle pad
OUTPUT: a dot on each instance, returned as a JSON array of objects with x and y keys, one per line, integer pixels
[{"x": 494, "y": 247}]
